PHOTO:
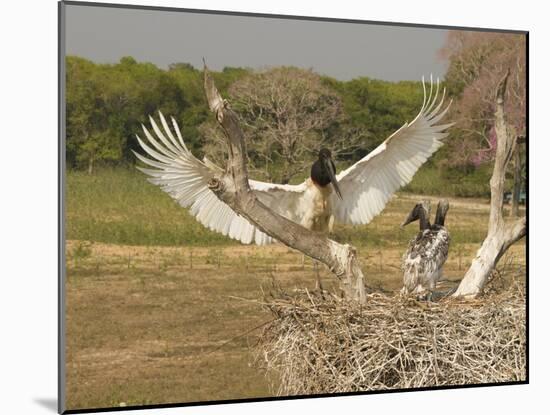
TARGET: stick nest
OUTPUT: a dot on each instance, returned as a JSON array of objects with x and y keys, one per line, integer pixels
[{"x": 320, "y": 343}]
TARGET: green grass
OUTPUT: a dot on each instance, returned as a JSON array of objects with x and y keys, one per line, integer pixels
[
  {"x": 120, "y": 206},
  {"x": 430, "y": 180}
]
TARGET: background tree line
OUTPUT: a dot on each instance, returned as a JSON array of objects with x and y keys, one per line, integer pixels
[{"x": 289, "y": 113}]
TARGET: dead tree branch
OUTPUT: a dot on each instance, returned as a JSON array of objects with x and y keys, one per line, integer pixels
[
  {"x": 232, "y": 187},
  {"x": 500, "y": 235}
]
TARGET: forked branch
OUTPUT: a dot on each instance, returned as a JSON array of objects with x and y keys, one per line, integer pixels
[
  {"x": 500, "y": 235},
  {"x": 232, "y": 187}
]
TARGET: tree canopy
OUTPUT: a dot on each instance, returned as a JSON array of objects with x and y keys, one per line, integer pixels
[
  {"x": 477, "y": 63},
  {"x": 289, "y": 113},
  {"x": 106, "y": 103}
]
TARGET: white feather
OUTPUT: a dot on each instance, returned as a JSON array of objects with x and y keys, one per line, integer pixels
[
  {"x": 369, "y": 184},
  {"x": 185, "y": 178},
  {"x": 366, "y": 186}
]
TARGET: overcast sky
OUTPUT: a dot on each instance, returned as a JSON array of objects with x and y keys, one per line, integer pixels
[{"x": 342, "y": 50}]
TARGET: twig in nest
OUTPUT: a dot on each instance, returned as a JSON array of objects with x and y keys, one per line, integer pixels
[{"x": 327, "y": 345}]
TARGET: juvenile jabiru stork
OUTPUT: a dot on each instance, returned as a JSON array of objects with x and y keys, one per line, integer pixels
[
  {"x": 354, "y": 196},
  {"x": 427, "y": 252}
]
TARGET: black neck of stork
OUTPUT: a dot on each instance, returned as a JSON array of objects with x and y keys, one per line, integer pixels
[
  {"x": 319, "y": 173},
  {"x": 441, "y": 213},
  {"x": 424, "y": 219},
  {"x": 323, "y": 171}
]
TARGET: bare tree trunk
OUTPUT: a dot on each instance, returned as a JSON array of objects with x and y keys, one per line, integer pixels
[
  {"x": 233, "y": 188},
  {"x": 91, "y": 165},
  {"x": 500, "y": 235},
  {"x": 514, "y": 211}
]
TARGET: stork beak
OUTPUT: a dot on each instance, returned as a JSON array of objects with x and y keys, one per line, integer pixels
[
  {"x": 329, "y": 164},
  {"x": 409, "y": 219}
]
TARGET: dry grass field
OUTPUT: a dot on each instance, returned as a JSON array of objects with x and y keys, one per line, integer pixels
[{"x": 153, "y": 323}]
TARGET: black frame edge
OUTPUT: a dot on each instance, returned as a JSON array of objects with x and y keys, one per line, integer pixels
[
  {"x": 61, "y": 129},
  {"x": 527, "y": 206},
  {"x": 290, "y": 398}
]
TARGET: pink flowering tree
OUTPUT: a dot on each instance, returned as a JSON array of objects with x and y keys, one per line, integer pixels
[
  {"x": 477, "y": 62},
  {"x": 487, "y": 75}
]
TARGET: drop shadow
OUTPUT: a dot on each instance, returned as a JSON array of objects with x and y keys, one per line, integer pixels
[{"x": 48, "y": 403}]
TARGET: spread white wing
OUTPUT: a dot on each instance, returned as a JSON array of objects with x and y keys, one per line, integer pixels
[
  {"x": 369, "y": 184},
  {"x": 185, "y": 178}
]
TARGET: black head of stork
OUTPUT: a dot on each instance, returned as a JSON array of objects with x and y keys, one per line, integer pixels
[
  {"x": 442, "y": 208},
  {"x": 323, "y": 171},
  {"x": 421, "y": 212}
]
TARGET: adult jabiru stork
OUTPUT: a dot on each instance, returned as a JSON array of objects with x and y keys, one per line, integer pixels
[{"x": 360, "y": 192}]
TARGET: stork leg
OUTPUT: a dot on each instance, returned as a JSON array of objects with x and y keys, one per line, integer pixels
[
  {"x": 316, "y": 272},
  {"x": 318, "y": 285},
  {"x": 432, "y": 285}
]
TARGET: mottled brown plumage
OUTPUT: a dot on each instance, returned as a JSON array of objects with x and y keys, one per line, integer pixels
[{"x": 427, "y": 252}]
